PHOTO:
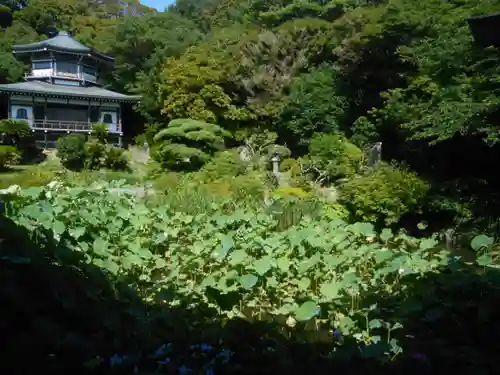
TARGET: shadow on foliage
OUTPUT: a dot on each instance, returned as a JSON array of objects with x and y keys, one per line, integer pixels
[
  {"x": 462, "y": 173},
  {"x": 63, "y": 316}
]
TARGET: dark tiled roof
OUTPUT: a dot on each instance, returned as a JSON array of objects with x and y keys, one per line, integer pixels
[
  {"x": 63, "y": 42},
  {"x": 485, "y": 29},
  {"x": 49, "y": 89}
]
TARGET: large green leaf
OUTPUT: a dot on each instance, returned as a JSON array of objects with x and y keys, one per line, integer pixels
[
  {"x": 307, "y": 311},
  {"x": 58, "y": 227},
  {"x": 238, "y": 256},
  {"x": 263, "y": 265},
  {"x": 330, "y": 290},
  {"x": 100, "y": 247},
  {"x": 77, "y": 232},
  {"x": 481, "y": 241},
  {"x": 248, "y": 281}
]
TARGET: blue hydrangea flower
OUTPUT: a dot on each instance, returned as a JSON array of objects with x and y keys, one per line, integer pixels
[
  {"x": 183, "y": 370},
  {"x": 162, "y": 350},
  {"x": 206, "y": 347},
  {"x": 226, "y": 355},
  {"x": 164, "y": 361},
  {"x": 115, "y": 360}
]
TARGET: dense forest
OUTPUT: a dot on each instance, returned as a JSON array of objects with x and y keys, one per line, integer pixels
[
  {"x": 404, "y": 73},
  {"x": 317, "y": 83}
]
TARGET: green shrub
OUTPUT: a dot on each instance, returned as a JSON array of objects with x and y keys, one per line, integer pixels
[
  {"x": 248, "y": 187},
  {"x": 100, "y": 131},
  {"x": 19, "y": 134},
  {"x": 292, "y": 166},
  {"x": 71, "y": 151},
  {"x": 150, "y": 131},
  {"x": 384, "y": 194},
  {"x": 335, "y": 211},
  {"x": 9, "y": 155},
  {"x": 188, "y": 144},
  {"x": 95, "y": 154},
  {"x": 224, "y": 164},
  {"x": 14, "y": 129},
  {"x": 168, "y": 180},
  {"x": 334, "y": 155},
  {"x": 115, "y": 159}
]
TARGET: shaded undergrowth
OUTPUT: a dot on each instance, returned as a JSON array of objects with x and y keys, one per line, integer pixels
[{"x": 62, "y": 315}]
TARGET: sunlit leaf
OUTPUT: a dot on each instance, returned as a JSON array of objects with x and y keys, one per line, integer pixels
[
  {"x": 481, "y": 241},
  {"x": 248, "y": 281},
  {"x": 307, "y": 311}
]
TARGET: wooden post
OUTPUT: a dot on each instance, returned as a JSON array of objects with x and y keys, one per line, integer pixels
[
  {"x": 119, "y": 118},
  {"x": 44, "y": 112},
  {"x": 79, "y": 68},
  {"x": 32, "y": 120},
  {"x": 89, "y": 113},
  {"x": 99, "y": 111}
]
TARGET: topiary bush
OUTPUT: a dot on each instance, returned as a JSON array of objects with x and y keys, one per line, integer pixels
[
  {"x": 71, "y": 151},
  {"x": 188, "y": 144},
  {"x": 384, "y": 194},
  {"x": 9, "y": 155}
]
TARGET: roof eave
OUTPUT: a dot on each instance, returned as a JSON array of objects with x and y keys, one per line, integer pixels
[
  {"x": 128, "y": 99},
  {"x": 483, "y": 16},
  {"x": 102, "y": 56},
  {"x": 90, "y": 52}
]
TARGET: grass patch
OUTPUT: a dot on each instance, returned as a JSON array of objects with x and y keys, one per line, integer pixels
[{"x": 30, "y": 175}]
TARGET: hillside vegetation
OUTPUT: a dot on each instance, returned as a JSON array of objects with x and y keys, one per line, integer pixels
[{"x": 321, "y": 193}]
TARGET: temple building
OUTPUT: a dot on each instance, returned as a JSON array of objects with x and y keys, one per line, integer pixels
[{"x": 62, "y": 93}]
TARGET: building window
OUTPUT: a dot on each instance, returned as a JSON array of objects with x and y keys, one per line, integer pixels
[
  {"x": 66, "y": 68},
  {"x": 89, "y": 70},
  {"x": 42, "y": 65},
  {"x": 107, "y": 118},
  {"x": 22, "y": 114}
]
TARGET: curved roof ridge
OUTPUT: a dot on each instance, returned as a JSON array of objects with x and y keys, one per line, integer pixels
[{"x": 62, "y": 42}]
